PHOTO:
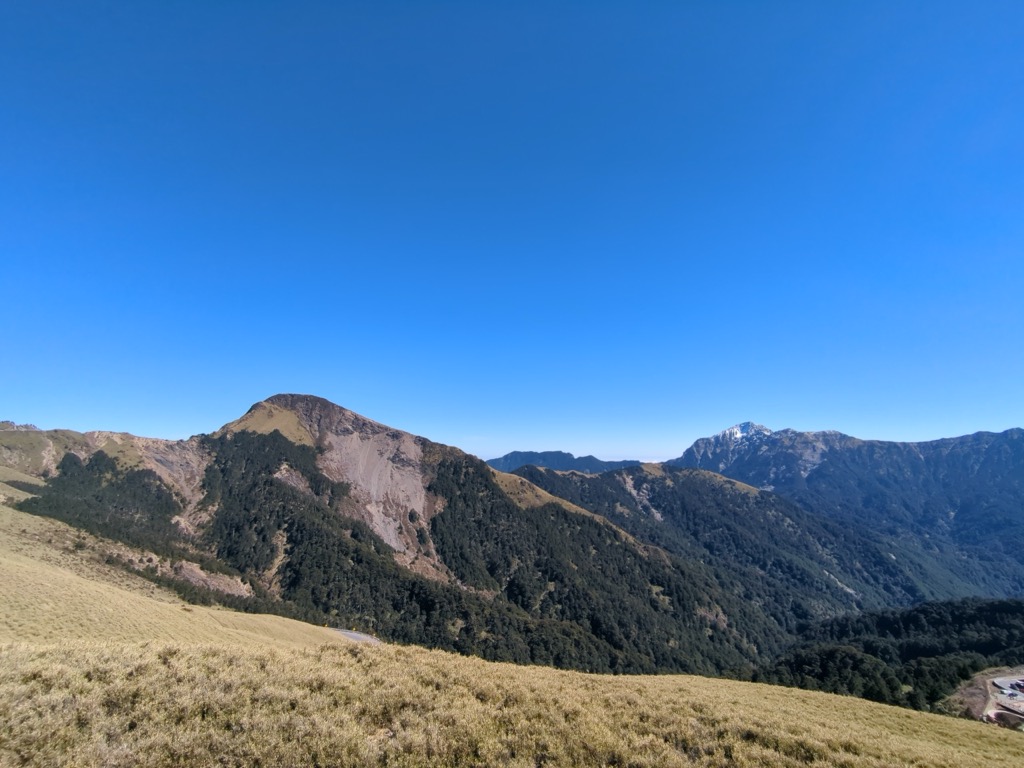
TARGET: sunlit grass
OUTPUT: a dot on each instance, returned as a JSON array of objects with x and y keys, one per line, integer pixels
[
  {"x": 175, "y": 703},
  {"x": 264, "y": 418},
  {"x": 54, "y": 586}
]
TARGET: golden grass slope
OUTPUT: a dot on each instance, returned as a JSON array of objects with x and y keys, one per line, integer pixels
[
  {"x": 158, "y": 704},
  {"x": 263, "y": 418},
  {"x": 53, "y": 590},
  {"x": 104, "y": 671},
  {"x": 527, "y": 495}
]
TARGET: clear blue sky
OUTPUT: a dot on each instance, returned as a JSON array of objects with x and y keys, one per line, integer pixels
[{"x": 606, "y": 228}]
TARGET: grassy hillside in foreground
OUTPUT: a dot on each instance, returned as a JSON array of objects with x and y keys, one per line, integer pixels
[
  {"x": 53, "y": 589},
  {"x": 160, "y": 704},
  {"x": 100, "y": 683}
]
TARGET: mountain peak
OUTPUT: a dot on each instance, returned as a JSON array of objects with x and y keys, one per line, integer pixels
[
  {"x": 294, "y": 401},
  {"x": 747, "y": 429},
  {"x": 305, "y": 419}
]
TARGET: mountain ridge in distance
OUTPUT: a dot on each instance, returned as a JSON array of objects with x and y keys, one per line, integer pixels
[
  {"x": 958, "y": 500},
  {"x": 953, "y": 507},
  {"x": 558, "y": 460}
]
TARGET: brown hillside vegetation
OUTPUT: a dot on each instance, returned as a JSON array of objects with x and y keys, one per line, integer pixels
[
  {"x": 174, "y": 703},
  {"x": 98, "y": 670}
]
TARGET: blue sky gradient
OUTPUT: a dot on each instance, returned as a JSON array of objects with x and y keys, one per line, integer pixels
[{"x": 606, "y": 228}]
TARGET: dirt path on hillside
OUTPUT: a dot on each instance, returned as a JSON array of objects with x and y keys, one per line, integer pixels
[{"x": 359, "y": 637}]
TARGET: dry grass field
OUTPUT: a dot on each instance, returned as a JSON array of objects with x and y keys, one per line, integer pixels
[
  {"x": 100, "y": 668},
  {"x": 56, "y": 588}
]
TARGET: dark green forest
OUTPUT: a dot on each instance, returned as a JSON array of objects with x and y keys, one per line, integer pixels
[
  {"x": 100, "y": 497},
  {"x": 953, "y": 505},
  {"x": 798, "y": 567},
  {"x": 557, "y": 564},
  {"x": 912, "y": 658}
]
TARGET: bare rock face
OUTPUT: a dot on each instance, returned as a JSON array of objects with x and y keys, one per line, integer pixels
[{"x": 383, "y": 467}]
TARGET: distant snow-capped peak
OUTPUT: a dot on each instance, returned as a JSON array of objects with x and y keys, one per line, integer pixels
[{"x": 744, "y": 431}]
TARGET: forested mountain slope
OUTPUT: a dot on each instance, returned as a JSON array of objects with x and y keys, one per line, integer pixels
[
  {"x": 956, "y": 502},
  {"x": 913, "y": 658},
  {"x": 797, "y": 565}
]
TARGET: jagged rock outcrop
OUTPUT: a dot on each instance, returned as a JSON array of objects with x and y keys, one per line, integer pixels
[
  {"x": 764, "y": 458},
  {"x": 10, "y": 426}
]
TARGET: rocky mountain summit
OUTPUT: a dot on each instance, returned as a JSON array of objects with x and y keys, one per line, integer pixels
[
  {"x": 759, "y": 453},
  {"x": 382, "y": 466},
  {"x": 930, "y": 484}
]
